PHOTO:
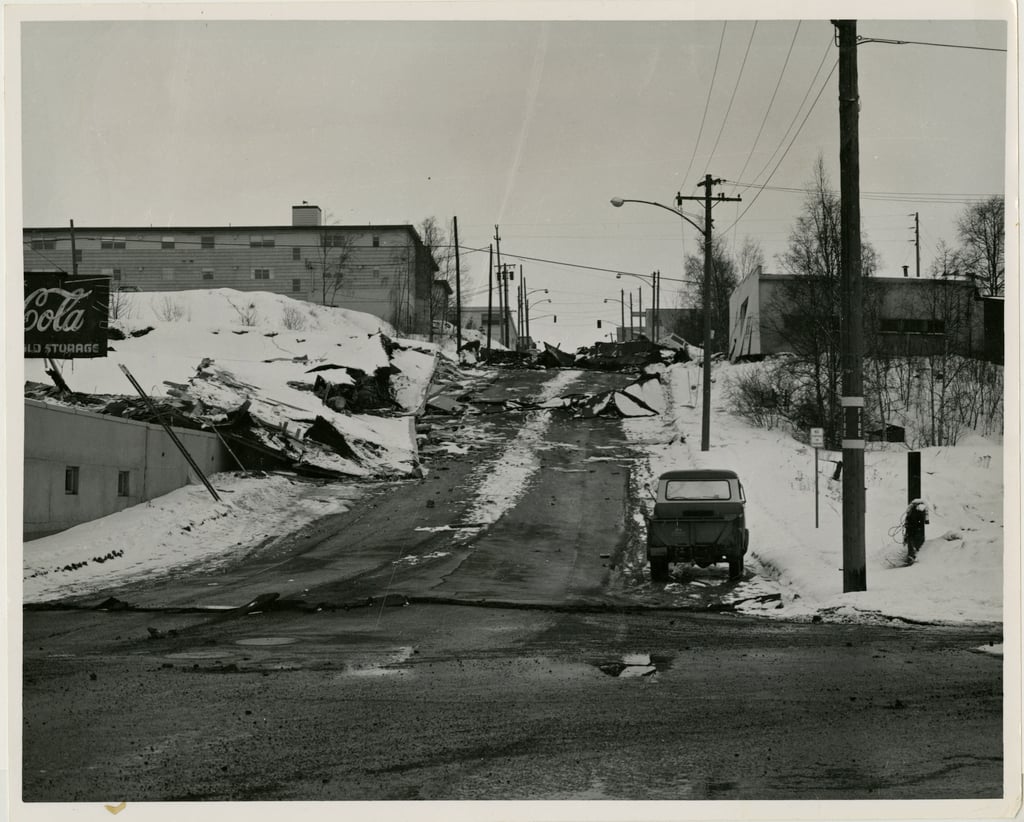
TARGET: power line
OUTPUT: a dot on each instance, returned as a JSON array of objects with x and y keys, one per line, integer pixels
[
  {"x": 796, "y": 114},
  {"x": 864, "y": 40},
  {"x": 707, "y": 102},
  {"x": 771, "y": 102},
  {"x": 732, "y": 97},
  {"x": 786, "y": 152}
]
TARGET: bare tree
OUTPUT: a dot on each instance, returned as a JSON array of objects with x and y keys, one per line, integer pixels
[
  {"x": 806, "y": 311},
  {"x": 750, "y": 257},
  {"x": 723, "y": 281},
  {"x": 333, "y": 251},
  {"x": 982, "y": 238},
  {"x": 439, "y": 241}
]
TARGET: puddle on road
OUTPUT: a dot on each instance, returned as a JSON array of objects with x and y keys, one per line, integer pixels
[
  {"x": 267, "y": 640},
  {"x": 635, "y": 666}
]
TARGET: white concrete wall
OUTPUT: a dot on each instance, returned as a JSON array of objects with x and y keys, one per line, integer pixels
[{"x": 101, "y": 446}]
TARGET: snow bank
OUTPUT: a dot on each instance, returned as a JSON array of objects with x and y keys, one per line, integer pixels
[
  {"x": 958, "y": 575},
  {"x": 226, "y": 348},
  {"x": 186, "y": 528}
]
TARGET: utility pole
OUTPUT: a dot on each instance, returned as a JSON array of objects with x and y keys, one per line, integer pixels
[
  {"x": 501, "y": 305},
  {"x": 707, "y": 183},
  {"x": 508, "y": 311},
  {"x": 490, "y": 295},
  {"x": 852, "y": 319},
  {"x": 458, "y": 288},
  {"x": 631, "y": 316},
  {"x": 622, "y": 311},
  {"x": 74, "y": 254},
  {"x": 656, "y": 288},
  {"x": 917, "y": 240}
]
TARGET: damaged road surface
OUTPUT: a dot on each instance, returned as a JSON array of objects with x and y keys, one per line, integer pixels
[{"x": 487, "y": 631}]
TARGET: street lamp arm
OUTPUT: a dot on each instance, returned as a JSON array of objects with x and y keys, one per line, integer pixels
[{"x": 618, "y": 201}]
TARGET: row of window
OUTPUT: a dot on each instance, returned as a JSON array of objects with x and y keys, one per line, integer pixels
[
  {"x": 205, "y": 241},
  {"x": 71, "y": 476},
  {"x": 116, "y": 274}
]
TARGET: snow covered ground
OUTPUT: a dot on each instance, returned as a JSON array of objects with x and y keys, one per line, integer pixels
[{"x": 958, "y": 576}]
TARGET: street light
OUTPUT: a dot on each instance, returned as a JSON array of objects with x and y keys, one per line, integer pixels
[
  {"x": 705, "y": 432},
  {"x": 528, "y": 305}
]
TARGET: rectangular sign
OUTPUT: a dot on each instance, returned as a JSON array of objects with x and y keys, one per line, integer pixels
[
  {"x": 65, "y": 316},
  {"x": 817, "y": 438}
]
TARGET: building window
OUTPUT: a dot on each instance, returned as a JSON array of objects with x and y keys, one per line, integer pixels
[
  {"x": 338, "y": 240},
  {"x": 123, "y": 483},
  {"x": 207, "y": 241},
  {"x": 296, "y": 285},
  {"x": 71, "y": 479},
  {"x": 207, "y": 273},
  {"x": 44, "y": 245},
  {"x": 911, "y": 326},
  {"x": 376, "y": 241},
  {"x": 296, "y": 253},
  {"x": 112, "y": 242},
  {"x": 78, "y": 255},
  {"x": 261, "y": 273},
  {"x": 167, "y": 274},
  {"x": 261, "y": 241},
  {"x": 167, "y": 242},
  {"x": 113, "y": 273},
  {"x": 376, "y": 273}
]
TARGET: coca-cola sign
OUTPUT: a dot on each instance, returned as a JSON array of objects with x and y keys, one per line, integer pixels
[{"x": 65, "y": 316}]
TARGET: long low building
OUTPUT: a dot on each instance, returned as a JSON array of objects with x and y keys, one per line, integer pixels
[
  {"x": 385, "y": 270},
  {"x": 906, "y": 316}
]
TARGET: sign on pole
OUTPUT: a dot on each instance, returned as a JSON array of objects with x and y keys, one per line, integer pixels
[
  {"x": 817, "y": 441},
  {"x": 65, "y": 316}
]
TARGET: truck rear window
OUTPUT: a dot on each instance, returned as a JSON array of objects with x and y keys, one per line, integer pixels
[{"x": 697, "y": 489}]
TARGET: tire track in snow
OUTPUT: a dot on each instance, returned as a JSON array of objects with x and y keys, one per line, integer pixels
[{"x": 505, "y": 478}]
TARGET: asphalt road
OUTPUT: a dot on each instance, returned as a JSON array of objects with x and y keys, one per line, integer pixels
[{"x": 392, "y": 657}]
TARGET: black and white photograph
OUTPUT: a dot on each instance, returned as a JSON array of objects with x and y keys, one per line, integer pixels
[{"x": 593, "y": 410}]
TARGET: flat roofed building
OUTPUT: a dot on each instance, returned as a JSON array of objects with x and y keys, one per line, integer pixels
[{"x": 383, "y": 270}]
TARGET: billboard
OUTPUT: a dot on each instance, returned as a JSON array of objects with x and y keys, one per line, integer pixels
[{"x": 65, "y": 316}]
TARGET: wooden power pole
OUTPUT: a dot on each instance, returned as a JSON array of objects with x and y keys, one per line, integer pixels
[
  {"x": 458, "y": 287},
  {"x": 852, "y": 319}
]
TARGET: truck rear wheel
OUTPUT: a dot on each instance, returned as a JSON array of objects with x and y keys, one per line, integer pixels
[
  {"x": 736, "y": 567},
  {"x": 659, "y": 569}
]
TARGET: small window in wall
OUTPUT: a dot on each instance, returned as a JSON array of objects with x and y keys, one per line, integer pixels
[
  {"x": 167, "y": 274},
  {"x": 296, "y": 284},
  {"x": 124, "y": 483},
  {"x": 44, "y": 245},
  {"x": 78, "y": 255},
  {"x": 376, "y": 240},
  {"x": 113, "y": 273},
  {"x": 261, "y": 273},
  {"x": 376, "y": 273},
  {"x": 296, "y": 253},
  {"x": 261, "y": 241},
  {"x": 207, "y": 241},
  {"x": 71, "y": 479},
  {"x": 207, "y": 273},
  {"x": 112, "y": 242},
  {"x": 167, "y": 242}
]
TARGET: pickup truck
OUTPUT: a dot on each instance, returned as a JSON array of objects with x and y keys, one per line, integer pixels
[{"x": 698, "y": 518}]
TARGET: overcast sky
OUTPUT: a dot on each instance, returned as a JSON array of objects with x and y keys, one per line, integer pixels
[{"x": 533, "y": 126}]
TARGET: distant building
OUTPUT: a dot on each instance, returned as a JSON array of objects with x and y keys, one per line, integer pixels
[
  {"x": 385, "y": 270},
  {"x": 904, "y": 316},
  {"x": 478, "y": 317}
]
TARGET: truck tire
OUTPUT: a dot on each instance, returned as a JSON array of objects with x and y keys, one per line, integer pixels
[
  {"x": 659, "y": 569},
  {"x": 736, "y": 567}
]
